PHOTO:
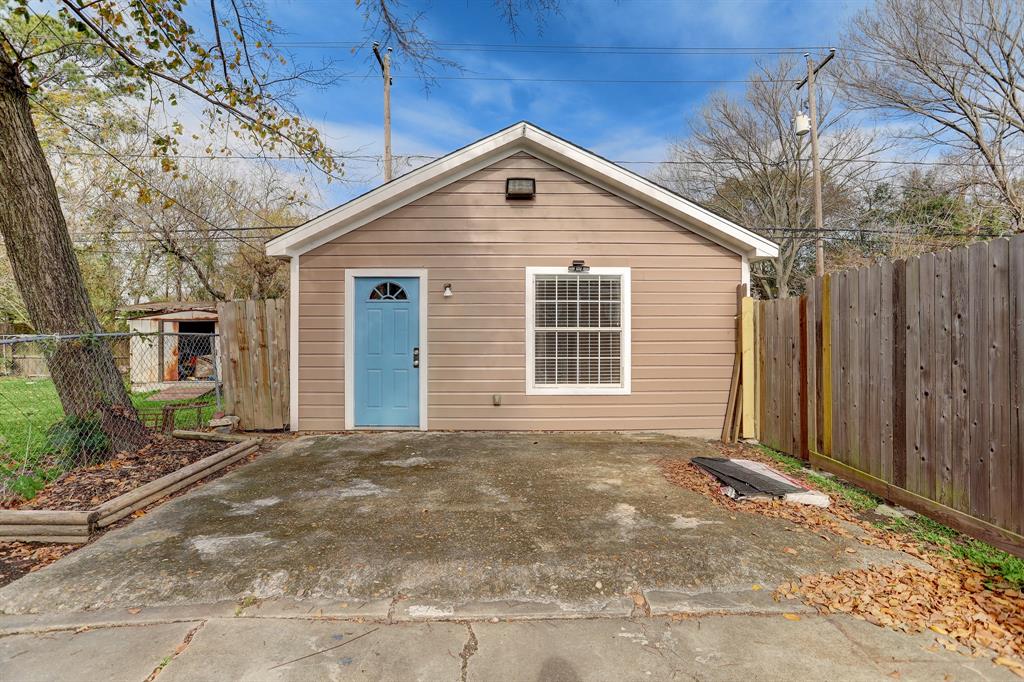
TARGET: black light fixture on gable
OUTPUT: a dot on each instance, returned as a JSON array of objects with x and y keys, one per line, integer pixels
[
  {"x": 579, "y": 266},
  {"x": 520, "y": 188}
]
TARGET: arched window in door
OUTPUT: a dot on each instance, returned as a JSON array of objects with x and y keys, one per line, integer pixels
[{"x": 388, "y": 291}]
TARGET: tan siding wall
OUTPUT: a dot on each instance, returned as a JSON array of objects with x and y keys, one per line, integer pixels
[{"x": 468, "y": 234}]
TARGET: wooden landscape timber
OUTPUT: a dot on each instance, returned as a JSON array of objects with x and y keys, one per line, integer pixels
[
  {"x": 70, "y": 527},
  {"x": 907, "y": 378}
]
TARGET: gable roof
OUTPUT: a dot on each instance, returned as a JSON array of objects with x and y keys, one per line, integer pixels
[{"x": 520, "y": 137}]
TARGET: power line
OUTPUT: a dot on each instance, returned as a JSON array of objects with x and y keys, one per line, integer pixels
[
  {"x": 593, "y": 81},
  {"x": 571, "y": 49},
  {"x": 635, "y": 162},
  {"x": 131, "y": 170}
]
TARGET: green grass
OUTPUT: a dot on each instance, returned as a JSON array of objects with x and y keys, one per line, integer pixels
[
  {"x": 994, "y": 562},
  {"x": 860, "y": 499},
  {"x": 28, "y": 410}
]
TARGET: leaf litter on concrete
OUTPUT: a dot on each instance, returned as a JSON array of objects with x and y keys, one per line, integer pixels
[{"x": 968, "y": 608}]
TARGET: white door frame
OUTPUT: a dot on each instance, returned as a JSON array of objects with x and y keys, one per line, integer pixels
[{"x": 350, "y": 338}]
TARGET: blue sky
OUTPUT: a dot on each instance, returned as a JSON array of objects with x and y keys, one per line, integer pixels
[{"x": 632, "y": 121}]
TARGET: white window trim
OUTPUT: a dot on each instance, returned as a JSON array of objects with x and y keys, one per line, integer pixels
[
  {"x": 626, "y": 346},
  {"x": 350, "y": 342}
]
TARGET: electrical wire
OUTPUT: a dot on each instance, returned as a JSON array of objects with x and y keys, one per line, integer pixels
[
  {"x": 135, "y": 173},
  {"x": 621, "y": 162}
]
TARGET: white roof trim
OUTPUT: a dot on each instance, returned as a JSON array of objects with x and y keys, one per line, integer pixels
[{"x": 529, "y": 138}]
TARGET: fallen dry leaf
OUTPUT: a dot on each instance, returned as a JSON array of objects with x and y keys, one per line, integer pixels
[{"x": 790, "y": 616}]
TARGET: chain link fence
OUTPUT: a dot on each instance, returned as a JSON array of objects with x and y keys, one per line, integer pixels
[{"x": 62, "y": 404}]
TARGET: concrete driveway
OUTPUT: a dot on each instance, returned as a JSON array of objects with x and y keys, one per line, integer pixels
[{"x": 441, "y": 525}]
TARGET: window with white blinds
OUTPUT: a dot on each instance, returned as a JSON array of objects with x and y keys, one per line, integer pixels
[{"x": 578, "y": 330}]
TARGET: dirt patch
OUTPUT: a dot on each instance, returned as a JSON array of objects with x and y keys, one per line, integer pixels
[
  {"x": 87, "y": 487},
  {"x": 19, "y": 558},
  {"x": 970, "y": 610}
]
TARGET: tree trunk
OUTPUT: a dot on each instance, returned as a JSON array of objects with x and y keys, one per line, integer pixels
[{"x": 45, "y": 267}]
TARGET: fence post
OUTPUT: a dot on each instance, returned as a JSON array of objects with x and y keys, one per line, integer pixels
[
  {"x": 747, "y": 352},
  {"x": 216, "y": 373},
  {"x": 806, "y": 391},
  {"x": 826, "y": 364}
]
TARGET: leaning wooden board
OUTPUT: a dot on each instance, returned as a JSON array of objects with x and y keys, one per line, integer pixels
[{"x": 69, "y": 527}]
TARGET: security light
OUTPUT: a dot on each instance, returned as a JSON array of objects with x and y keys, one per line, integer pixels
[{"x": 520, "y": 188}]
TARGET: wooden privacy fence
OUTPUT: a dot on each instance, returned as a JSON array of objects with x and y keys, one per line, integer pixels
[
  {"x": 907, "y": 378},
  {"x": 254, "y": 360}
]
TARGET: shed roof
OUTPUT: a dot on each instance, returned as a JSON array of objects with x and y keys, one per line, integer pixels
[
  {"x": 520, "y": 137},
  {"x": 163, "y": 307}
]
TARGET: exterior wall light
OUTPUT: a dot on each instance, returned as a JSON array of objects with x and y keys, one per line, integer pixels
[
  {"x": 448, "y": 290},
  {"x": 579, "y": 266},
  {"x": 520, "y": 188}
]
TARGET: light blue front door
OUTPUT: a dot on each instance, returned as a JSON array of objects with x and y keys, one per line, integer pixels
[{"x": 387, "y": 340}]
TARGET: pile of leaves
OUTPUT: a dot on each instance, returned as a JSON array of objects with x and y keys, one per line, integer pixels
[
  {"x": 955, "y": 601},
  {"x": 19, "y": 558},
  {"x": 87, "y": 487},
  {"x": 969, "y": 608}
]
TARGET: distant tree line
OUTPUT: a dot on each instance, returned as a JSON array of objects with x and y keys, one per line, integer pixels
[{"x": 922, "y": 141}]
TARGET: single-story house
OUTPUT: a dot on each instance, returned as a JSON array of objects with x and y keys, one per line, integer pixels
[
  {"x": 518, "y": 283},
  {"x": 173, "y": 341}
]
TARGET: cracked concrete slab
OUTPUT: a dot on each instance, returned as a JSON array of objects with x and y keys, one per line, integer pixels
[
  {"x": 569, "y": 520},
  {"x": 113, "y": 654},
  {"x": 301, "y": 650},
  {"x": 726, "y": 648},
  {"x": 717, "y": 648}
]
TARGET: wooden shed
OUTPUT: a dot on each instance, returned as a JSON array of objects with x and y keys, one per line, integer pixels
[
  {"x": 518, "y": 283},
  {"x": 172, "y": 341}
]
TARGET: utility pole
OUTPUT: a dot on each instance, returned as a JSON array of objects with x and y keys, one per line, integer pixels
[
  {"x": 385, "y": 69},
  {"x": 812, "y": 110}
]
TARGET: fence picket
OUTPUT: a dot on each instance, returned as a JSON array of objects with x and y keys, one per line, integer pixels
[
  {"x": 912, "y": 303},
  {"x": 999, "y": 387},
  {"x": 941, "y": 369},
  {"x": 870, "y": 406},
  {"x": 960, "y": 361},
  {"x": 1016, "y": 307},
  {"x": 924, "y": 460},
  {"x": 839, "y": 340},
  {"x": 885, "y": 370},
  {"x": 978, "y": 392}
]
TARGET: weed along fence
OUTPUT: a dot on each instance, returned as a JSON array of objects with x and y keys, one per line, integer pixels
[
  {"x": 906, "y": 378},
  {"x": 254, "y": 357}
]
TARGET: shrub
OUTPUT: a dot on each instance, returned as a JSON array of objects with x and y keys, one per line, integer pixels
[{"x": 78, "y": 441}]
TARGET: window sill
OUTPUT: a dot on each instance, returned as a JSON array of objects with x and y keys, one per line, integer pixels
[{"x": 578, "y": 390}]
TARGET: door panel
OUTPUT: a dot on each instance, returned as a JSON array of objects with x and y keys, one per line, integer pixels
[{"x": 387, "y": 329}]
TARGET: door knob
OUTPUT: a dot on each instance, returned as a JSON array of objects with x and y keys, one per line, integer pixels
[{"x": 416, "y": 357}]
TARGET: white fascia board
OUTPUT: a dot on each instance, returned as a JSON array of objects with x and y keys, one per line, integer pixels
[{"x": 479, "y": 155}]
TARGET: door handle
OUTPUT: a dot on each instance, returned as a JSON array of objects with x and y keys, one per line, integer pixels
[{"x": 416, "y": 356}]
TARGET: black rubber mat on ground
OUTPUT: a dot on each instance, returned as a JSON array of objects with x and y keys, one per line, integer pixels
[{"x": 746, "y": 483}]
